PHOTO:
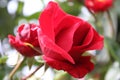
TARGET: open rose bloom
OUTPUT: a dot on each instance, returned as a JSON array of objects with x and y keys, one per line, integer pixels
[
  {"x": 98, "y": 5},
  {"x": 64, "y": 38}
]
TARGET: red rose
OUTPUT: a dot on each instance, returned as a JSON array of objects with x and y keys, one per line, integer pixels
[
  {"x": 98, "y": 5},
  {"x": 64, "y": 38},
  {"x": 27, "y": 33}
]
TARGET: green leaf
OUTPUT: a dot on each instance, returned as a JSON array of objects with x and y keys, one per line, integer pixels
[
  {"x": 39, "y": 59},
  {"x": 30, "y": 61},
  {"x": 3, "y": 59},
  {"x": 113, "y": 48},
  {"x": 33, "y": 16},
  {"x": 61, "y": 75},
  {"x": 20, "y": 8},
  {"x": 72, "y": 7}
]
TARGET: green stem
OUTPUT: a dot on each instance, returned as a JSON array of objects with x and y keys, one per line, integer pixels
[
  {"x": 16, "y": 68},
  {"x": 113, "y": 55},
  {"x": 111, "y": 23},
  {"x": 99, "y": 26},
  {"x": 94, "y": 16},
  {"x": 25, "y": 78}
]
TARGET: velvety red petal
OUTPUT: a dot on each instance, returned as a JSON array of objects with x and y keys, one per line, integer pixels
[
  {"x": 49, "y": 18},
  {"x": 33, "y": 39},
  {"x": 81, "y": 33},
  {"x": 24, "y": 32},
  {"x": 28, "y": 33},
  {"x": 96, "y": 42},
  {"x": 11, "y": 39},
  {"x": 20, "y": 47},
  {"x": 85, "y": 38},
  {"x": 92, "y": 39},
  {"x": 63, "y": 39},
  {"x": 77, "y": 70},
  {"x": 66, "y": 30},
  {"x": 52, "y": 50}
]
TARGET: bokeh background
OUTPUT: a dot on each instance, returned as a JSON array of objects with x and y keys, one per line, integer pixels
[{"x": 16, "y": 12}]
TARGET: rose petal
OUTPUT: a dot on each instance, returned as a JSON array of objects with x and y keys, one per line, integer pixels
[
  {"x": 49, "y": 18},
  {"x": 77, "y": 70},
  {"x": 26, "y": 33},
  {"x": 98, "y": 5},
  {"x": 50, "y": 49},
  {"x": 85, "y": 38},
  {"x": 64, "y": 36},
  {"x": 20, "y": 47},
  {"x": 92, "y": 39}
]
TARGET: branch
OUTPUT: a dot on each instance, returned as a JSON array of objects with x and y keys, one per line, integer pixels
[
  {"x": 16, "y": 68},
  {"x": 25, "y": 78}
]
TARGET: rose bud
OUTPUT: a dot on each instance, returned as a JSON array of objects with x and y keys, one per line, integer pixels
[
  {"x": 26, "y": 37},
  {"x": 98, "y": 5}
]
